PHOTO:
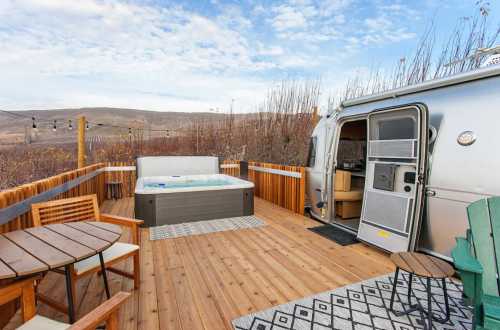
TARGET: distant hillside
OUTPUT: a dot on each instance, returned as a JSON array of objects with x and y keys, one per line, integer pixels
[{"x": 14, "y": 130}]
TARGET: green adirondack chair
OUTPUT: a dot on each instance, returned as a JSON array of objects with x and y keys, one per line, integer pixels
[{"x": 476, "y": 260}]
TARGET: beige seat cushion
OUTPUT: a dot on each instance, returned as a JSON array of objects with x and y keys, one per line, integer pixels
[
  {"x": 354, "y": 195},
  {"x": 115, "y": 251},
  {"x": 42, "y": 323}
]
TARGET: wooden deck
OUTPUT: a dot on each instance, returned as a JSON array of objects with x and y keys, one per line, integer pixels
[{"x": 205, "y": 281}]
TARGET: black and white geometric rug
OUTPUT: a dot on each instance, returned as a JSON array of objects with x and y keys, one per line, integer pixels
[
  {"x": 362, "y": 306},
  {"x": 204, "y": 227}
]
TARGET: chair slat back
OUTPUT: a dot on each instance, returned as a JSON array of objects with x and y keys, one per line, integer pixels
[
  {"x": 66, "y": 210},
  {"x": 494, "y": 208},
  {"x": 484, "y": 222}
]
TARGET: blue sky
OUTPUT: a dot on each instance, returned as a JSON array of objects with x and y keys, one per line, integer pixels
[{"x": 193, "y": 56}]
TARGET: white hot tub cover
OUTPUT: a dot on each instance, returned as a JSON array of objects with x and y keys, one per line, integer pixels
[{"x": 176, "y": 165}]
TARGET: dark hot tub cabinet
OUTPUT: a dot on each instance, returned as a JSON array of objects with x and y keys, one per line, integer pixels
[{"x": 186, "y": 189}]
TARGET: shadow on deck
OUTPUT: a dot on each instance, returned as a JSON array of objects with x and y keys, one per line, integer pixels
[{"x": 205, "y": 281}]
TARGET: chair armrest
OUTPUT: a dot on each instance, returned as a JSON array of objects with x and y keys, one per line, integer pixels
[
  {"x": 126, "y": 222},
  {"x": 123, "y": 221},
  {"x": 463, "y": 259},
  {"x": 107, "y": 311}
]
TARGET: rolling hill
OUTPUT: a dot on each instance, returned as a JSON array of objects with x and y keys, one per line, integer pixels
[{"x": 15, "y": 129}]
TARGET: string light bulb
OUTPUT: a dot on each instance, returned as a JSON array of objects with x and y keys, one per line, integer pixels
[
  {"x": 54, "y": 128},
  {"x": 70, "y": 125},
  {"x": 34, "y": 123}
]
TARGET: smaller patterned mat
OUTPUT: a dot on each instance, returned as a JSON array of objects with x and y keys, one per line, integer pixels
[{"x": 204, "y": 227}]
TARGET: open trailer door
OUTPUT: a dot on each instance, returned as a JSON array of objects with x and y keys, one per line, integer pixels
[{"x": 395, "y": 177}]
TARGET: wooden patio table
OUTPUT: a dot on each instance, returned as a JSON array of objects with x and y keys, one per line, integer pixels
[{"x": 39, "y": 249}]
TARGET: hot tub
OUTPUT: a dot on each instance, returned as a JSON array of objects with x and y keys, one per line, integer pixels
[{"x": 161, "y": 200}]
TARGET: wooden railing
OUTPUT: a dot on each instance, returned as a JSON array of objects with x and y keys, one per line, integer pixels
[
  {"x": 122, "y": 172},
  {"x": 231, "y": 167},
  {"x": 279, "y": 184},
  {"x": 15, "y": 210}
]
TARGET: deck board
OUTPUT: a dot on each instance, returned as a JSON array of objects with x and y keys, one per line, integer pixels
[{"x": 205, "y": 281}]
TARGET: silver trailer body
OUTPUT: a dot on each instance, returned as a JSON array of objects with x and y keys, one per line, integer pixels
[{"x": 459, "y": 161}]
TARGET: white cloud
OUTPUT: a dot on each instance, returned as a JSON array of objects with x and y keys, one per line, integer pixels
[
  {"x": 378, "y": 23},
  {"x": 269, "y": 51},
  {"x": 133, "y": 53},
  {"x": 299, "y": 61},
  {"x": 382, "y": 30},
  {"x": 258, "y": 10},
  {"x": 288, "y": 17},
  {"x": 304, "y": 20},
  {"x": 329, "y": 7},
  {"x": 55, "y": 48},
  {"x": 79, "y": 8},
  {"x": 232, "y": 16},
  {"x": 339, "y": 19},
  {"x": 400, "y": 9}
]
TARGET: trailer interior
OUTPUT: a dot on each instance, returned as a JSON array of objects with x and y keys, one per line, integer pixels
[{"x": 350, "y": 174}]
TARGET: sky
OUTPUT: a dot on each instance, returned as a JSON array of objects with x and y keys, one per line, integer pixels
[{"x": 200, "y": 55}]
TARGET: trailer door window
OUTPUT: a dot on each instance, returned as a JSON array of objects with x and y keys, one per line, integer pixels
[
  {"x": 311, "y": 159},
  {"x": 394, "y": 128}
]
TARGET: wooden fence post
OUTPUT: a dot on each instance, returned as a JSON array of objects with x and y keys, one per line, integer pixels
[
  {"x": 315, "y": 116},
  {"x": 81, "y": 142},
  {"x": 302, "y": 190}
]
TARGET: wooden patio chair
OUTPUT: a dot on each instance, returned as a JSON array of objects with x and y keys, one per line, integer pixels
[
  {"x": 25, "y": 290},
  {"x": 87, "y": 208},
  {"x": 477, "y": 260}
]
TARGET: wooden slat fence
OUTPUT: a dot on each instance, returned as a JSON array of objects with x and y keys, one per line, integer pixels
[
  {"x": 279, "y": 184},
  {"x": 231, "y": 167},
  {"x": 123, "y": 172},
  {"x": 10, "y": 197}
]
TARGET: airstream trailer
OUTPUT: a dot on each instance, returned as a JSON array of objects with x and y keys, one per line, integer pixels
[{"x": 399, "y": 168}]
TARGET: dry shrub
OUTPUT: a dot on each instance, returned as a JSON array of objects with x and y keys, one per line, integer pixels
[
  {"x": 27, "y": 163},
  {"x": 277, "y": 132},
  {"x": 462, "y": 51}
]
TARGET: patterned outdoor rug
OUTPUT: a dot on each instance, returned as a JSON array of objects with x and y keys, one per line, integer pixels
[
  {"x": 204, "y": 227},
  {"x": 363, "y": 305}
]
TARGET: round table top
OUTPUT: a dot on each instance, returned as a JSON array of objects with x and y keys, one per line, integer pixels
[
  {"x": 422, "y": 264},
  {"x": 38, "y": 249}
]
